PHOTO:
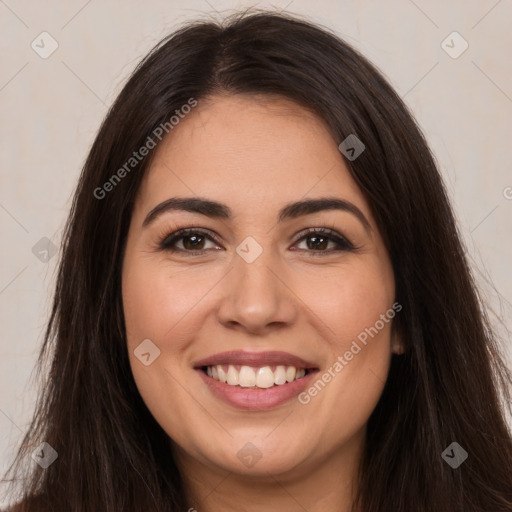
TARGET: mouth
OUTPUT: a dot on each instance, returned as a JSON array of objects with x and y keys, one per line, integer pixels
[
  {"x": 254, "y": 377},
  {"x": 256, "y": 381}
]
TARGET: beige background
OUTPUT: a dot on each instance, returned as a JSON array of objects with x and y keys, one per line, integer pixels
[{"x": 51, "y": 109}]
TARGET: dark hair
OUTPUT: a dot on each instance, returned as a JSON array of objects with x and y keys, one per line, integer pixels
[{"x": 451, "y": 383}]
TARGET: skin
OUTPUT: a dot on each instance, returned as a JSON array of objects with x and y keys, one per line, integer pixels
[{"x": 255, "y": 155}]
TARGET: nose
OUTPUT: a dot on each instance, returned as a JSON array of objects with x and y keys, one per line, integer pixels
[{"x": 256, "y": 298}]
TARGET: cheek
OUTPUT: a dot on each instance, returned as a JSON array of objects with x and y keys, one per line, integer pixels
[
  {"x": 162, "y": 304},
  {"x": 158, "y": 299},
  {"x": 352, "y": 299},
  {"x": 355, "y": 314}
]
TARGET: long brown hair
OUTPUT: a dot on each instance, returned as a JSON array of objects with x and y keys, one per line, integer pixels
[{"x": 450, "y": 385}]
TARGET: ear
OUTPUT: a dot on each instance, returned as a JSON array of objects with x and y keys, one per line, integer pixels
[{"x": 397, "y": 345}]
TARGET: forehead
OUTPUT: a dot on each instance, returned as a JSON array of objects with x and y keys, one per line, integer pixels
[{"x": 250, "y": 152}]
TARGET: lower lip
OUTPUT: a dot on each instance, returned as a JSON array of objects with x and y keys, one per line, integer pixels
[{"x": 256, "y": 398}]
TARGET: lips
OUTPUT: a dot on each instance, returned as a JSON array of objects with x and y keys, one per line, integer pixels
[
  {"x": 255, "y": 359},
  {"x": 255, "y": 398}
]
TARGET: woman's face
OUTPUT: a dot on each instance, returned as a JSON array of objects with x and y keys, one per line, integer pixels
[{"x": 251, "y": 294}]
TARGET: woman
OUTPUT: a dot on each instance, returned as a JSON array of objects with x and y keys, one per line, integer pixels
[{"x": 263, "y": 301}]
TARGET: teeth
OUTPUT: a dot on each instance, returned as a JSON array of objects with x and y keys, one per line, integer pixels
[
  {"x": 233, "y": 376},
  {"x": 290, "y": 373},
  {"x": 280, "y": 375},
  {"x": 249, "y": 377},
  {"x": 223, "y": 377},
  {"x": 300, "y": 373},
  {"x": 265, "y": 377},
  {"x": 246, "y": 377}
]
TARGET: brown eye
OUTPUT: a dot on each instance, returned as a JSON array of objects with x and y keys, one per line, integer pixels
[
  {"x": 187, "y": 240},
  {"x": 322, "y": 241},
  {"x": 317, "y": 242},
  {"x": 193, "y": 241}
]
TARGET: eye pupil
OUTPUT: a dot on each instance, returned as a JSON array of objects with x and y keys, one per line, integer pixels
[
  {"x": 318, "y": 242},
  {"x": 194, "y": 239}
]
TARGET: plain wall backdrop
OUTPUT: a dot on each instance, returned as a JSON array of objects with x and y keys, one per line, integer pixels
[{"x": 458, "y": 85}]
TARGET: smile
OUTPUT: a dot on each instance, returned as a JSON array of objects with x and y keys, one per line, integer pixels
[
  {"x": 255, "y": 380},
  {"x": 263, "y": 377}
]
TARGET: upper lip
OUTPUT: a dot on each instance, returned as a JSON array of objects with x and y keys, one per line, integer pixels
[{"x": 255, "y": 359}]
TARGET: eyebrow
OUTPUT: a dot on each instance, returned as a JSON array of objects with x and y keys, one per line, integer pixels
[{"x": 291, "y": 211}]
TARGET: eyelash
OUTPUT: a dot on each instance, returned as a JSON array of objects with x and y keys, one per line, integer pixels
[{"x": 168, "y": 240}]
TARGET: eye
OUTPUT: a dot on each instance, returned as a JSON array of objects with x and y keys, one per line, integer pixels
[
  {"x": 321, "y": 240},
  {"x": 187, "y": 240},
  {"x": 194, "y": 242}
]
